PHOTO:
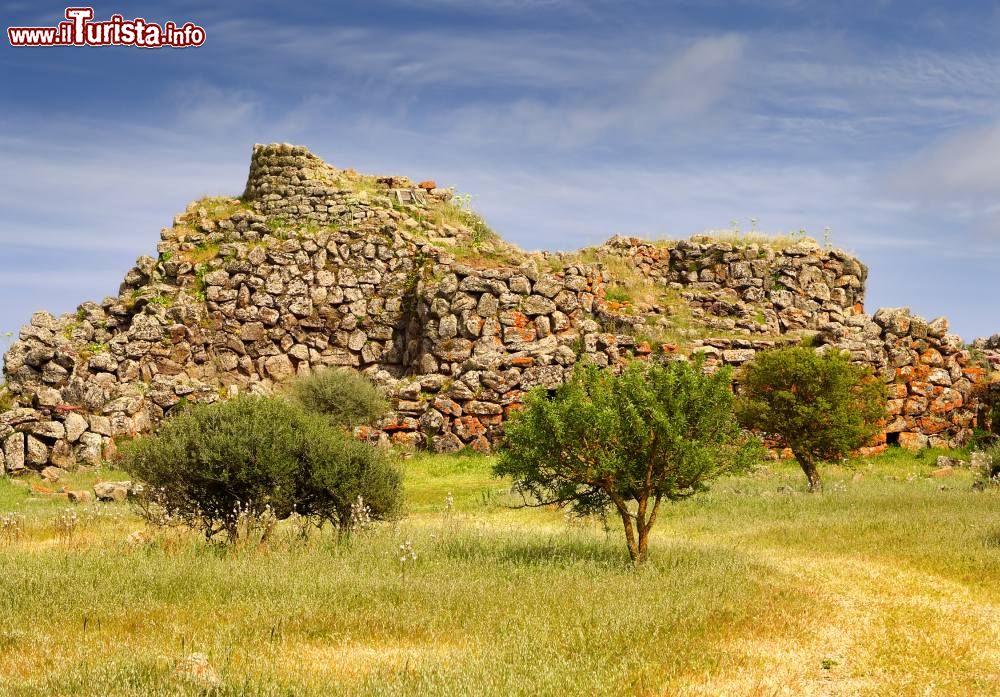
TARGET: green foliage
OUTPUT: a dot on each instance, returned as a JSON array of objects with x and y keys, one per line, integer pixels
[
  {"x": 988, "y": 472},
  {"x": 216, "y": 467},
  {"x": 93, "y": 348},
  {"x": 617, "y": 295},
  {"x": 279, "y": 227},
  {"x": 346, "y": 398},
  {"x": 479, "y": 231},
  {"x": 161, "y": 300},
  {"x": 200, "y": 286},
  {"x": 6, "y": 398},
  {"x": 625, "y": 442},
  {"x": 820, "y": 404},
  {"x": 202, "y": 253},
  {"x": 459, "y": 212},
  {"x": 70, "y": 327},
  {"x": 220, "y": 207}
]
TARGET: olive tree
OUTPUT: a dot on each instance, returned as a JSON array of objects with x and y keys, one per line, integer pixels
[
  {"x": 625, "y": 442},
  {"x": 819, "y": 403},
  {"x": 344, "y": 396},
  {"x": 214, "y": 466}
]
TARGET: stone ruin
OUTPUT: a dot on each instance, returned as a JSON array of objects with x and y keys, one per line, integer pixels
[{"x": 317, "y": 267}]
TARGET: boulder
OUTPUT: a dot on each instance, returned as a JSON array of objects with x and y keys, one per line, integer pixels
[
  {"x": 79, "y": 496},
  {"x": 36, "y": 452},
  {"x": 113, "y": 491},
  {"x": 279, "y": 367},
  {"x": 446, "y": 443},
  {"x": 14, "y": 453},
  {"x": 52, "y": 474},
  {"x": 75, "y": 426}
]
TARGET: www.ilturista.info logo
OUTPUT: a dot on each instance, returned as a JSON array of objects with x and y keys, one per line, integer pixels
[{"x": 79, "y": 30}]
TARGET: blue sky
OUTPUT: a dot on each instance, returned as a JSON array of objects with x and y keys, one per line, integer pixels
[{"x": 567, "y": 121}]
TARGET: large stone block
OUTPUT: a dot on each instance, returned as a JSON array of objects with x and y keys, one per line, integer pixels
[
  {"x": 36, "y": 452},
  {"x": 14, "y": 452}
]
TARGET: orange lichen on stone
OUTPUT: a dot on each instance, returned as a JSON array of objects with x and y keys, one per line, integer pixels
[
  {"x": 933, "y": 425},
  {"x": 912, "y": 441},
  {"x": 897, "y": 391},
  {"x": 974, "y": 373}
]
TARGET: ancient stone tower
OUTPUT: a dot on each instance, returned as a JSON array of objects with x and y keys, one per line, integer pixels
[{"x": 316, "y": 267}]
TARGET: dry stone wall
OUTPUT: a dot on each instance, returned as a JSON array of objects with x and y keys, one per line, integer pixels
[
  {"x": 762, "y": 288},
  {"x": 317, "y": 267},
  {"x": 933, "y": 382}
]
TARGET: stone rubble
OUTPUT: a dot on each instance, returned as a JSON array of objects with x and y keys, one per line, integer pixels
[{"x": 317, "y": 268}]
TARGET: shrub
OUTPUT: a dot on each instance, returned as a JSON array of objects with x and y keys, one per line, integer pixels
[
  {"x": 6, "y": 398},
  {"x": 345, "y": 397},
  {"x": 214, "y": 467},
  {"x": 625, "y": 442},
  {"x": 987, "y": 468},
  {"x": 820, "y": 404}
]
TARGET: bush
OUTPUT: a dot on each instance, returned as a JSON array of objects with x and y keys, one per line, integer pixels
[
  {"x": 345, "y": 397},
  {"x": 987, "y": 468},
  {"x": 820, "y": 404},
  {"x": 215, "y": 467},
  {"x": 625, "y": 442}
]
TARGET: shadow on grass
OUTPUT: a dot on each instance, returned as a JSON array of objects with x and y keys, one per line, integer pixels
[
  {"x": 552, "y": 550},
  {"x": 597, "y": 551}
]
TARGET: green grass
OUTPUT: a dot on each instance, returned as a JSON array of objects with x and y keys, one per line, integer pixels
[
  {"x": 777, "y": 242},
  {"x": 886, "y": 584}
]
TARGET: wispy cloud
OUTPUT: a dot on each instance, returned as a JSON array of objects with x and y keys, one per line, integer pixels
[
  {"x": 959, "y": 171},
  {"x": 647, "y": 91},
  {"x": 695, "y": 80},
  {"x": 204, "y": 108}
]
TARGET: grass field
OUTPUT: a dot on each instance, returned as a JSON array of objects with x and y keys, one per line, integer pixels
[{"x": 887, "y": 584}]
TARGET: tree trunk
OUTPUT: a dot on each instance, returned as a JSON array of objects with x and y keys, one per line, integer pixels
[
  {"x": 812, "y": 474},
  {"x": 643, "y": 544},
  {"x": 630, "y": 541},
  {"x": 637, "y": 532}
]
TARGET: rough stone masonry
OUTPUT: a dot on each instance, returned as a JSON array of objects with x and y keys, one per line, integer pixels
[{"x": 316, "y": 267}]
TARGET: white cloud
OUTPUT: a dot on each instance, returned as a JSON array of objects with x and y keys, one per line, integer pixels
[
  {"x": 643, "y": 94},
  {"x": 959, "y": 171},
  {"x": 384, "y": 61},
  {"x": 694, "y": 81},
  {"x": 204, "y": 108}
]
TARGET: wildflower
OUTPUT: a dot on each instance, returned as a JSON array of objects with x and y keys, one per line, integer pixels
[
  {"x": 407, "y": 555},
  {"x": 361, "y": 514}
]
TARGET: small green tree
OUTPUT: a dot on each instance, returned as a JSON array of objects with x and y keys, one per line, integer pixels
[
  {"x": 625, "y": 442},
  {"x": 345, "y": 397},
  {"x": 820, "y": 404},
  {"x": 215, "y": 466}
]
